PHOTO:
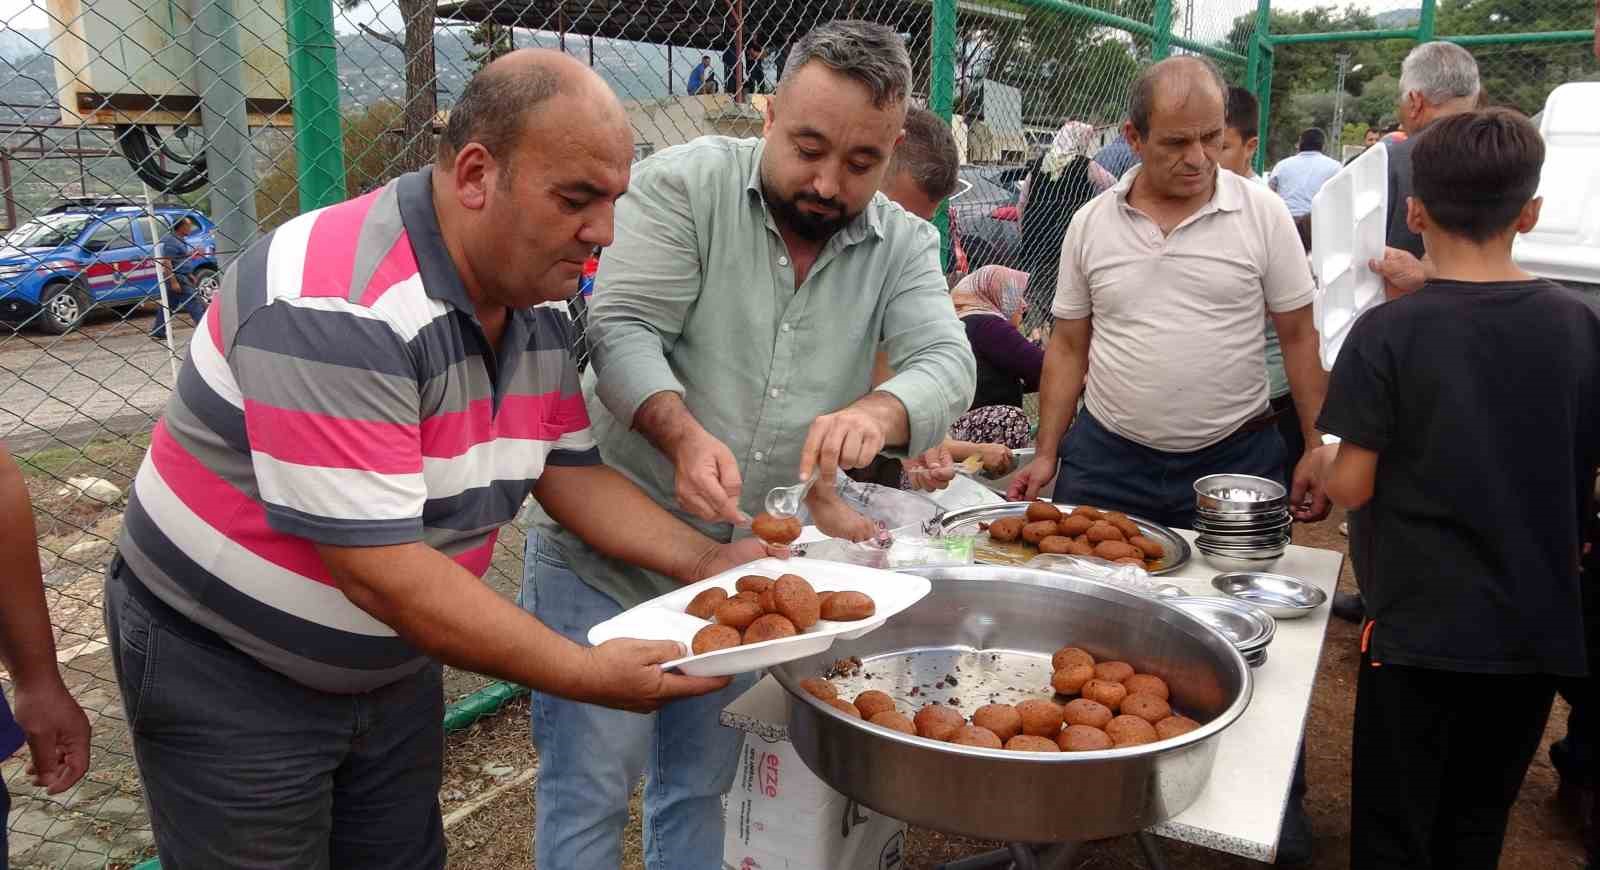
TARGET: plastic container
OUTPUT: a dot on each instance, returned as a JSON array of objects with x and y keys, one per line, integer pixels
[
  {"x": 1348, "y": 217},
  {"x": 1565, "y": 246},
  {"x": 663, "y": 618}
]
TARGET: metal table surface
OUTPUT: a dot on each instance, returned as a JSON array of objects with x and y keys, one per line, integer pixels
[{"x": 1241, "y": 809}]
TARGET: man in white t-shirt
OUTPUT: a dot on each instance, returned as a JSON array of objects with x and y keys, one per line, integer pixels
[
  {"x": 1174, "y": 267},
  {"x": 1298, "y": 178}
]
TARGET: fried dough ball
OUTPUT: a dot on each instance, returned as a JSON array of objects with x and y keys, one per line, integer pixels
[
  {"x": 1113, "y": 516},
  {"x": 1081, "y": 547},
  {"x": 1001, "y": 719},
  {"x": 738, "y": 612},
  {"x": 845, "y": 707},
  {"x": 847, "y": 607},
  {"x": 1040, "y": 718},
  {"x": 1147, "y": 707},
  {"x": 769, "y": 627},
  {"x": 822, "y": 598},
  {"x": 1127, "y": 526},
  {"x": 1043, "y": 510},
  {"x": 747, "y": 595},
  {"x": 704, "y": 605},
  {"x": 1114, "y": 550},
  {"x": 938, "y": 722},
  {"x": 1086, "y": 712},
  {"x": 1082, "y": 738},
  {"x": 1005, "y": 531},
  {"x": 797, "y": 601},
  {"x": 1116, "y": 672},
  {"x": 1035, "y": 532},
  {"x": 1057, "y": 544},
  {"x": 872, "y": 702},
  {"x": 819, "y": 688},
  {"x": 1150, "y": 549},
  {"x": 753, "y": 583},
  {"x": 1074, "y": 525},
  {"x": 1128, "y": 730},
  {"x": 976, "y": 735},
  {"x": 895, "y": 720},
  {"x": 1104, "y": 691},
  {"x": 1030, "y": 743},
  {"x": 1172, "y": 726},
  {"x": 1071, "y": 655},
  {"x": 768, "y": 603},
  {"x": 775, "y": 530},
  {"x": 714, "y": 637},
  {"x": 1104, "y": 531},
  {"x": 1070, "y": 679},
  {"x": 1147, "y": 684},
  {"x": 1086, "y": 511}
]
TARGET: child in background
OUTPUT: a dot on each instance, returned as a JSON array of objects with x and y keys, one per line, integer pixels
[{"x": 1470, "y": 419}]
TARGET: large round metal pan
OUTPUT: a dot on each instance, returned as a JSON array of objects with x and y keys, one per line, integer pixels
[
  {"x": 991, "y": 631},
  {"x": 965, "y": 522}
]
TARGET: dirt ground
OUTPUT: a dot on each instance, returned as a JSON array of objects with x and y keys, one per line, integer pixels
[{"x": 497, "y": 832}]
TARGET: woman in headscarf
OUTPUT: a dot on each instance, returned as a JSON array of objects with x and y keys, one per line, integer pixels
[{"x": 1064, "y": 178}]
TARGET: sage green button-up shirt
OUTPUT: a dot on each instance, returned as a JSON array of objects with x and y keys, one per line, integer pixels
[{"x": 697, "y": 296}]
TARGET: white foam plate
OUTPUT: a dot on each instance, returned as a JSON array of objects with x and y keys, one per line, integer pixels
[
  {"x": 663, "y": 618},
  {"x": 1347, "y": 230}
]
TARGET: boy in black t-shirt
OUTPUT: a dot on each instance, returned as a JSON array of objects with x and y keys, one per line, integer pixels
[{"x": 1470, "y": 419}]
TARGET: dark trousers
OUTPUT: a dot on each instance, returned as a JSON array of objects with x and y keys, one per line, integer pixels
[
  {"x": 244, "y": 768},
  {"x": 1101, "y": 468},
  {"x": 1294, "y": 440},
  {"x": 184, "y": 299},
  {"x": 1436, "y": 762}
]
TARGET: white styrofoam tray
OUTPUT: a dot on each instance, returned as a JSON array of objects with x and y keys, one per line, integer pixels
[
  {"x": 663, "y": 618},
  {"x": 1565, "y": 246},
  {"x": 1348, "y": 227}
]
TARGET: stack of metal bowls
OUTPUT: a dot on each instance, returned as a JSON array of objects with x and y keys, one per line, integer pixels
[
  {"x": 1249, "y": 628},
  {"x": 1242, "y": 521}
]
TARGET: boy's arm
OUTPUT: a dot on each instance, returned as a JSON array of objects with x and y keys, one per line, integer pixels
[{"x": 1351, "y": 477}]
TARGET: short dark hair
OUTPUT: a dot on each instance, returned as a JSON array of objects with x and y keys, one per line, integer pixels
[
  {"x": 870, "y": 53},
  {"x": 929, "y": 153},
  {"x": 185, "y": 219},
  {"x": 493, "y": 109},
  {"x": 1244, "y": 113},
  {"x": 1475, "y": 171},
  {"x": 1312, "y": 139},
  {"x": 1141, "y": 101}
]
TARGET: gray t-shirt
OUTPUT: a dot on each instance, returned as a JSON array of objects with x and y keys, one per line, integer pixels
[{"x": 1398, "y": 234}]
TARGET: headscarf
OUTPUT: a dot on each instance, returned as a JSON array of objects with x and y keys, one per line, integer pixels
[
  {"x": 1075, "y": 139},
  {"x": 993, "y": 290}
]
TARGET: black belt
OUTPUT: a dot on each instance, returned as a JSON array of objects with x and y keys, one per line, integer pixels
[{"x": 1266, "y": 420}]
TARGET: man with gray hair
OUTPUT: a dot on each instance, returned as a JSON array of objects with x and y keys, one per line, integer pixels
[{"x": 733, "y": 334}]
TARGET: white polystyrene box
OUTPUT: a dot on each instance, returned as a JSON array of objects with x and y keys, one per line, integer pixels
[{"x": 1565, "y": 246}]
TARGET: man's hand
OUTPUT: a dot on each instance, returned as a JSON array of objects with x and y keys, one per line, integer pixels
[
  {"x": 720, "y": 557},
  {"x": 1308, "y": 497},
  {"x": 58, "y": 735},
  {"x": 844, "y": 439},
  {"x": 1033, "y": 477},
  {"x": 836, "y": 519},
  {"x": 707, "y": 478},
  {"x": 931, "y": 471},
  {"x": 626, "y": 674},
  {"x": 1402, "y": 273}
]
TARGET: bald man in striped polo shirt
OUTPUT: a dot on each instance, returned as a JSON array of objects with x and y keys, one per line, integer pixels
[{"x": 371, "y": 397}]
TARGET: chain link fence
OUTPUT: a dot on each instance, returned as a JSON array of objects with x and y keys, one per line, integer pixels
[{"x": 119, "y": 117}]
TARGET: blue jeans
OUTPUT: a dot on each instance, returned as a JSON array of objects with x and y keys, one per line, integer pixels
[
  {"x": 184, "y": 299},
  {"x": 1101, "y": 468},
  {"x": 590, "y": 757}
]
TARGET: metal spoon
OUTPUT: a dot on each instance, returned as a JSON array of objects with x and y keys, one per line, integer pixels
[{"x": 784, "y": 501}]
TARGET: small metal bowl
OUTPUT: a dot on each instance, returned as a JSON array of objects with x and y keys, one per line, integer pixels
[
  {"x": 1239, "y": 494},
  {"x": 1238, "y": 563},
  {"x": 1249, "y": 628},
  {"x": 1281, "y": 596}
]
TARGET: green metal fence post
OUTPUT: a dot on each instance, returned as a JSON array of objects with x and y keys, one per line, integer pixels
[
  {"x": 941, "y": 99},
  {"x": 1425, "y": 22},
  {"x": 1264, "y": 101},
  {"x": 1258, "y": 77},
  {"x": 314, "y": 77},
  {"x": 1161, "y": 23}
]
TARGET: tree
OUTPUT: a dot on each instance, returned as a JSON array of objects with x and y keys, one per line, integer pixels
[
  {"x": 422, "y": 100},
  {"x": 496, "y": 40},
  {"x": 371, "y": 150}
]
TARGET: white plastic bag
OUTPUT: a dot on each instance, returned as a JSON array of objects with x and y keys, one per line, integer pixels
[{"x": 1129, "y": 577}]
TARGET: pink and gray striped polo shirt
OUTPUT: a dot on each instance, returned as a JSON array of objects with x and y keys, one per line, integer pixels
[{"x": 340, "y": 391}]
